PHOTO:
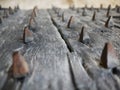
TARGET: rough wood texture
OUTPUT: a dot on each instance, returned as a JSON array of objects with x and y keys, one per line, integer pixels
[{"x": 56, "y": 58}]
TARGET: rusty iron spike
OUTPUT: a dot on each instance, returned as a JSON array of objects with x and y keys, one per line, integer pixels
[
  {"x": 34, "y": 11},
  {"x": 1, "y": 20},
  {"x": 81, "y": 34},
  {"x": 108, "y": 11},
  {"x": 107, "y": 22},
  {"x": 31, "y": 20},
  {"x": 11, "y": 10},
  {"x": 94, "y": 16},
  {"x": 84, "y": 13},
  {"x": 69, "y": 22},
  {"x": 6, "y": 14},
  {"x": 86, "y": 6},
  {"x": 27, "y": 35},
  {"x": 19, "y": 68},
  {"x": 117, "y": 8},
  {"x": 17, "y": 7},
  {"x": 108, "y": 56},
  {"x": 0, "y": 7},
  {"x": 92, "y": 7},
  {"x": 101, "y": 6},
  {"x": 63, "y": 17},
  {"x": 103, "y": 58}
]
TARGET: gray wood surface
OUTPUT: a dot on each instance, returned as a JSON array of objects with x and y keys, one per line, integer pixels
[{"x": 56, "y": 58}]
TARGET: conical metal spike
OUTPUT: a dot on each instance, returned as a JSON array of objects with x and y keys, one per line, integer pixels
[
  {"x": 81, "y": 35},
  {"x": 101, "y": 6},
  {"x": 0, "y": 7},
  {"x": 32, "y": 20},
  {"x": 11, "y": 10},
  {"x": 1, "y": 20},
  {"x": 34, "y": 11},
  {"x": 103, "y": 58},
  {"x": 107, "y": 22},
  {"x": 19, "y": 68},
  {"x": 108, "y": 56},
  {"x": 94, "y": 16},
  {"x": 18, "y": 7},
  {"x": 92, "y": 7},
  {"x": 84, "y": 13},
  {"x": 86, "y": 6},
  {"x": 69, "y": 22},
  {"x": 15, "y": 9},
  {"x": 63, "y": 17},
  {"x": 108, "y": 11},
  {"x": 6, "y": 14},
  {"x": 27, "y": 35},
  {"x": 117, "y": 9}
]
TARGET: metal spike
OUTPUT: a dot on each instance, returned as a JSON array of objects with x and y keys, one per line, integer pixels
[
  {"x": 27, "y": 35},
  {"x": 15, "y": 9},
  {"x": 94, "y": 16},
  {"x": 1, "y": 20},
  {"x": 117, "y": 8},
  {"x": 11, "y": 10},
  {"x": 0, "y": 7},
  {"x": 6, "y": 14},
  {"x": 108, "y": 11},
  {"x": 63, "y": 17},
  {"x": 81, "y": 35},
  {"x": 108, "y": 56},
  {"x": 34, "y": 11},
  {"x": 69, "y": 22},
  {"x": 92, "y": 7},
  {"x": 86, "y": 6},
  {"x": 101, "y": 6},
  {"x": 18, "y": 7},
  {"x": 32, "y": 19},
  {"x": 107, "y": 22},
  {"x": 19, "y": 68},
  {"x": 84, "y": 13}
]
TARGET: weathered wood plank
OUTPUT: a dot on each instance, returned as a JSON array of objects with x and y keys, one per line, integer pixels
[{"x": 81, "y": 78}]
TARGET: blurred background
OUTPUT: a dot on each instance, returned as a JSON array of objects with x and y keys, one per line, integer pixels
[{"x": 28, "y": 4}]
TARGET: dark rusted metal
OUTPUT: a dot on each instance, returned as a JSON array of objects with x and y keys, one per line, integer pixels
[
  {"x": 84, "y": 13},
  {"x": 81, "y": 35},
  {"x": 91, "y": 7},
  {"x": 1, "y": 20},
  {"x": 94, "y": 16},
  {"x": 108, "y": 56},
  {"x": 6, "y": 14},
  {"x": 34, "y": 11},
  {"x": 19, "y": 68},
  {"x": 107, "y": 22},
  {"x": 86, "y": 6},
  {"x": 101, "y": 6},
  {"x": 27, "y": 35},
  {"x": 117, "y": 9},
  {"x": 17, "y": 7},
  {"x": 63, "y": 17},
  {"x": 69, "y": 22},
  {"x": 31, "y": 20},
  {"x": 11, "y": 10},
  {"x": 0, "y": 7},
  {"x": 108, "y": 11}
]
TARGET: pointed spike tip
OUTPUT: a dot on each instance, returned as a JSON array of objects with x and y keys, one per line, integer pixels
[
  {"x": 69, "y": 22},
  {"x": 94, "y": 16},
  {"x": 81, "y": 35},
  {"x": 107, "y": 22}
]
